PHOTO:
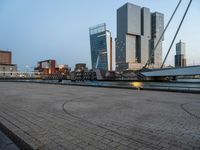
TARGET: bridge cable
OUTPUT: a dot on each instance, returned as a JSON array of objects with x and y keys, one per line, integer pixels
[
  {"x": 176, "y": 33},
  {"x": 152, "y": 53}
]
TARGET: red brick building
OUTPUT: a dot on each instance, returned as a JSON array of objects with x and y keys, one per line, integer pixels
[
  {"x": 5, "y": 57},
  {"x": 46, "y": 67},
  {"x": 49, "y": 67}
]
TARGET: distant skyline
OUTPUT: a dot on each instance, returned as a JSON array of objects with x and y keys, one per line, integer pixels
[{"x": 36, "y": 30}]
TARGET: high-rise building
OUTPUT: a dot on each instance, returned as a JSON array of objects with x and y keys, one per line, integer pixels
[
  {"x": 101, "y": 47},
  {"x": 157, "y": 20},
  {"x": 136, "y": 28},
  {"x": 180, "y": 59},
  {"x": 128, "y": 33},
  {"x": 145, "y": 35}
]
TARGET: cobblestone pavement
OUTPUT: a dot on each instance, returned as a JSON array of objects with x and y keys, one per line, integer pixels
[{"x": 61, "y": 117}]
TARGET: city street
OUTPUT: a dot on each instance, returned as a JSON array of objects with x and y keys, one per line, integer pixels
[{"x": 59, "y": 117}]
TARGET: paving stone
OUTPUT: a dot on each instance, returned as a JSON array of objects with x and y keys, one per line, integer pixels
[{"x": 71, "y": 117}]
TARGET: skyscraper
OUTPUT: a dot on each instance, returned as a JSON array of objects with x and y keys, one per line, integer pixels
[
  {"x": 128, "y": 33},
  {"x": 180, "y": 59},
  {"x": 101, "y": 47},
  {"x": 157, "y": 29},
  {"x": 145, "y": 34},
  {"x": 137, "y": 32}
]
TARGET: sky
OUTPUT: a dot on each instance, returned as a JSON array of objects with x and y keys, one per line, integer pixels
[{"x": 36, "y": 30}]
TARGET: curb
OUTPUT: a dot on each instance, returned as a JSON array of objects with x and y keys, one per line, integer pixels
[
  {"x": 167, "y": 89},
  {"x": 21, "y": 144}
]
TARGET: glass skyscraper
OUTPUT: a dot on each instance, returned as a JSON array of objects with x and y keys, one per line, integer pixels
[
  {"x": 180, "y": 59},
  {"x": 101, "y": 47},
  {"x": 157, "y": 29},
  {"x": 137, "y": 33}
]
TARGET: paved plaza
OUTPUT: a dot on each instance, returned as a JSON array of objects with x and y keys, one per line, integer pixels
[{"x": 60, "y": 117}]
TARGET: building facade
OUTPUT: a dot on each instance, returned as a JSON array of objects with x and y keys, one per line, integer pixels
[
  {"x": 46, "y": 67},
  {"x": 137, "y": 32},
  {"x": 63, "y": 69},
  {"x": 101, "y": 47},
  {"x": 5, "y": 57},
  {"x": 180, "y": 57},
  {"x": 157, "y": 22},
  {"x": 7, "y": 69}
]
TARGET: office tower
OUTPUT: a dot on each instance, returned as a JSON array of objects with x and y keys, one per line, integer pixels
[
  {"x": 157, "y": 29},
  {"x": 180, "y": 59},
  {"x": 134, "y": 41},
  {"x": 128, "y": 33},
  {"x": 145, "y": 35},
  {"x": 101, "y": 47}
]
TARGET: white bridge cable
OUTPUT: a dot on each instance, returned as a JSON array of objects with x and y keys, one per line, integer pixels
[{"x": 152, "y": 53}]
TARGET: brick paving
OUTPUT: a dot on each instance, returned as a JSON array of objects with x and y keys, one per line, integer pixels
[{"x": 58, "y": 117}]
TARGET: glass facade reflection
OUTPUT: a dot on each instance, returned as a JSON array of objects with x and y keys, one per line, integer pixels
[
  {"x": 180, "y": 58},
  {"x": 101, "y": 47}
]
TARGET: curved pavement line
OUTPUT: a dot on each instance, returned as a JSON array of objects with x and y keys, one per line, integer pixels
[
  {"x": 188, "y": 112},
  {"x": 102, "y": 127}
]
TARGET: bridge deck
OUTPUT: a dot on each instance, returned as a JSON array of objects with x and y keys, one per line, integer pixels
[
  {"x": 183, "y": 71},
  {"x": 71, "y": 117}
]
